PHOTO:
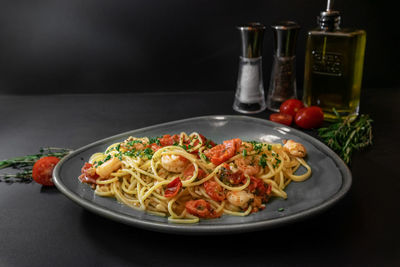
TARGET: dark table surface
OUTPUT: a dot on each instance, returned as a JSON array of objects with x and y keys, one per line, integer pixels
[{"x": 41, "y": 227}]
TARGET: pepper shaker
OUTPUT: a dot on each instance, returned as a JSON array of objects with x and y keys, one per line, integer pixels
[
  {"x": 249, "y": 97},
  {"x": 283, "y": 76}
]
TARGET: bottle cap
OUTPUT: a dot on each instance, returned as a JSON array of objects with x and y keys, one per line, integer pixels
[
  {"x": 252, "y": 35},
  {"x": 285, "y": 36}
]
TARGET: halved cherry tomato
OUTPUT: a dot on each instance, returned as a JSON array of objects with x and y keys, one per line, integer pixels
[
  {"x": 226, "y": 175},
  {"x": 223, "y": 152},
  {"x": 281, "y": 118},
  {"x": 311, "y": 117},
  {"x": 188, "y": 173},
  {"x": 257, "y": 186},
  {"x": 168, "y": 140},
  {"x": 89, "y": 174},
  {"x": 201, "y": 208},
  {"x": 214, "y": 190},
  {"x": 42, "y": 171},
  {"x": 173, "y": 187},
  {"x": 291, "y": 106}
]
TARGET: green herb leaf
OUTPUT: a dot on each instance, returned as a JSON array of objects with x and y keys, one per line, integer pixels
[{"x": 348, "y": 135}]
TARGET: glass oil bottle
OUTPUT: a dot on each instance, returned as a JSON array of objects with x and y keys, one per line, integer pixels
[{"x": 333, "y": 66}]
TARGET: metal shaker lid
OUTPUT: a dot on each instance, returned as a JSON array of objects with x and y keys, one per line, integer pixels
[
  {"x": 252, "y": 35},
  {"x": 285, "y": 36}
]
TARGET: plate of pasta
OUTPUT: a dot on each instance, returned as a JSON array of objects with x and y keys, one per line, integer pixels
[{"x": 212, "y": 174}]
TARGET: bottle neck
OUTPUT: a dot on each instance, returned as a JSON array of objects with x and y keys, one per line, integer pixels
[{"x": 329, "y": 21}]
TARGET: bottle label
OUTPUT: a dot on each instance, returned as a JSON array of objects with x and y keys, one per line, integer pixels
[{"x": 327, "y": 63}]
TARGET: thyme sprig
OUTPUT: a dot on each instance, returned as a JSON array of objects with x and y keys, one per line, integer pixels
[
  {"x": 347, "y": 135},
  {"x": 24, "y": 164}
]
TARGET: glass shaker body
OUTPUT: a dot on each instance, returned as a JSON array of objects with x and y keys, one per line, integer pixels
[
  {"x": 283, "y": 82},
  {"x": 249, "y": 97}
]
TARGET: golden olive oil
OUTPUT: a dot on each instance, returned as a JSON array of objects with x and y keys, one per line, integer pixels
[{"x": 333, "y": 67}]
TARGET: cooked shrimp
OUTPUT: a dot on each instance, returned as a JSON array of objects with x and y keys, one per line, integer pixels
[
  {"x": 239, "y": 198},
  {"x": 105, "y": 169},
  {"x": 295, "y": 149},
  {"x": 248, "y": 165},
  {"x": 174, "y": 163}
]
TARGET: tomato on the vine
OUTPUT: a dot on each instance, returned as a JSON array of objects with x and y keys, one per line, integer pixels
[
  {"x": 311, "y": 117},
  {"x": 42, "y": 171},
  {"x": 291, "y": 106},
  {"x": 281, "y": 118}
]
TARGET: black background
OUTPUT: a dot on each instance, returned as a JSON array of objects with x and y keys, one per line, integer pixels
[{"x": 71, "y": 46}]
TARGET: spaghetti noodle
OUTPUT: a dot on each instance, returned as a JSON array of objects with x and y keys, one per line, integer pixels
[{"x": 188, "y": 177}]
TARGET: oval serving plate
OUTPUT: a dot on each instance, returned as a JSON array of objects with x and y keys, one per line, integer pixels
[{"x": 330, "y": 180}]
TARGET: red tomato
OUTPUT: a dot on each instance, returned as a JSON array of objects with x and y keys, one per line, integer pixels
[
  {"x": 214, "y": 190},
  {"x": 42, "y": 171},
  {"x": 188, "y": 173},
  {"x": 168, "y": 140},
  {"x": 257, "y": 186},
  {"x": 291, "y": 106},
  {"x": 226, "y": 175},
  {"x": 201, "y": 208},
  {"x": 311, "y": 117},
  {"x": 281, "y": 118},
  {"x": 89, "y": 174},
  {"x": 223, "y": 152},
  {"x": 173, "y": 188}
]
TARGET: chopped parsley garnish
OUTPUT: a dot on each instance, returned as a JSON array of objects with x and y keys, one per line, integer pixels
[
  {"x": 203, "y": 156},
  {"x": 257, "y": 146},
  {"x": 277, "y": 162},
  {"x": 131, "y": 143},
  {"x": 281, "y": 209},
  {"x": 244, "y": 152},
  {"x": 148, "y": 153},
  {"x": 155, "y": 140},
  {"x": 269, "y": 147},
  {"x": 263, "y": 161},
  {"x": 104, "y": 160}
]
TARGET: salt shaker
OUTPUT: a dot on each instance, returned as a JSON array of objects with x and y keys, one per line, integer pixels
[
  {"x": 249, "y": 97},
  {"x": 283, "y": 77}
]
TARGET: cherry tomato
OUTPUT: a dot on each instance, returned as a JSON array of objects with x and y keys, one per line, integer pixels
[
  {"x": 173, "y": 188},
  {"x": 257, "y": 186},
  {"x": 214, "y": 190},
  {"x": 311, "y": 117},
  {"x": 226, "y": 175},
  {"x": 168, "y": 140},
  {"x": 281, "y": 118},
  {"x": 223, "y": 152},
  {"x": 188, "y": 173},
  {"x": 291, "y": 106},
  {"x": 42, "y": 171},
  {"x": 201, "y": 208},
  {"x": 89, "y": 174}
]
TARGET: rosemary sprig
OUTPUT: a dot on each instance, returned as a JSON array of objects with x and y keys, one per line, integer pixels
[
  {"x": 24, "y": 164},
  {"x": 347, "y": 135}
]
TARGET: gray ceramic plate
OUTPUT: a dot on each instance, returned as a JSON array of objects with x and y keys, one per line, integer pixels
[{"x": 330, "y": 181}]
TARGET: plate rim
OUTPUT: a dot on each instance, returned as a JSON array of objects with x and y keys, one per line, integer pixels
[{"x": 208, "y": 229}]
